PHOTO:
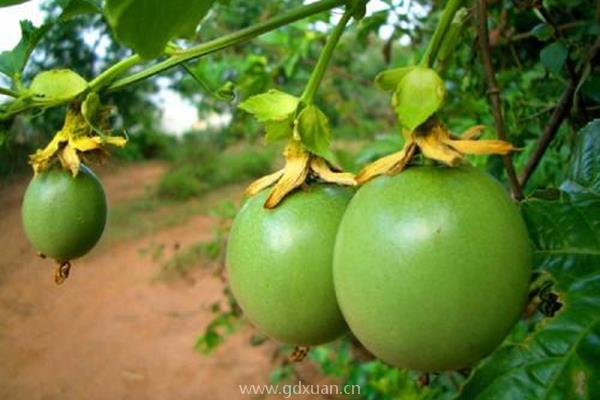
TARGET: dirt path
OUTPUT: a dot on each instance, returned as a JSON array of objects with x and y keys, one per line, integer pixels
[{"x": 112, "y": 331}]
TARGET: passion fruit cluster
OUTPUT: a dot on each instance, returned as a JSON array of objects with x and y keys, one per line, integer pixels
[{"x": 429, "y": 268}]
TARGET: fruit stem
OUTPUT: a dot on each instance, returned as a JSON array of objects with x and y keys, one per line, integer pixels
[
  {"x": 439, "y": 34},
  {"x": 317, "y": 76},
  {"x": 61, "y": 273},
  {"x": 112, "y": 72},
  {"x": 8, "y": 92},
  {"x": 225, "y": 41}
]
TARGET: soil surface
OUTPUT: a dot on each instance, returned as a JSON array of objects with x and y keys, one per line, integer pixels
[{"x": 113, "y": 330}]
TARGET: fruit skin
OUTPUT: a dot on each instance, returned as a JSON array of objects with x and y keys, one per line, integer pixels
[
  {"x": 432, "y": 267},
  {"x": 63, "y": 216},
  {"x": 280, "y": 264}
]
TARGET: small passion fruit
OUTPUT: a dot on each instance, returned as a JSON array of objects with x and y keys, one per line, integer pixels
[{"x": 64, "y": 216}]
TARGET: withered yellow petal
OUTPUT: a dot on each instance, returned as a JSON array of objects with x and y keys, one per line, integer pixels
[
  {"x": 481, "y": 146},
  {"x": 396, "y": 161},
  {"x": 85, "y": 143},
  {"x": 473, "y": 133},
  {"x": 69, "y": 159},
  {"x": 323, "y": 170},
  {"x": 263, "y": 183},
  {"x": 432, "y": 147},
  {"x": 41, "y": 158},
  {"x": 294, "y": 173},
  {"x": 118, "y": 141},
  {"x": 409, "y": 152}
]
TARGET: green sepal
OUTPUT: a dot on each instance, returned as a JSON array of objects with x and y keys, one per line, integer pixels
[
  {"x": 57, "y": 84},
  {"x": 276, "y": 110},
  {"x": 313, "y": 129},
  {"x": 273, "y": 105},
  {"x": 390, "y": 78},
  {"x": 275, "y": 130},
  {"x": 418, "y": 96},
  {"x": 95, "y": 114}
]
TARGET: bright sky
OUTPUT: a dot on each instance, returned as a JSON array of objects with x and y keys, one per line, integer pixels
[
  {"x": 178, "y": 113},
  {"x": 9, "y": 21}
]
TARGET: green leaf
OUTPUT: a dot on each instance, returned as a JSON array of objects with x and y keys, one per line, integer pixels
[
  {"x": 76, "y": 8},
  {"x": 58, "y": 84},
  {"x": 8, "y": 3},
  {"x": 389, "y": 79},
  {"x": 273, "y": 105},
  {"x": 567, "y": 235},
  {"x": 542, "y": 31},
  {"x": 559, "y": 360},
  {"x": 583, "y": 172},
  {"x": 371, "y": 24},
  {"x": 359, "y": 7},
  {"x": 418, "y": 96},
  {"x": 312, "y": 126},
  {"x": 553, "y": 56},
  {"x": 148, "y": 25},
  {"x": 12, "y": 62}
]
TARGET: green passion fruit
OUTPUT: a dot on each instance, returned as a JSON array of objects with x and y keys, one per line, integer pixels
[
  {"x": 64, "y": 216},
  {"x": 280, "y": 264},
  {"x": 432, "y": 267}
]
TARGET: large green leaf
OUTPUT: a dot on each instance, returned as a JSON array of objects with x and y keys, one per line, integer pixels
[
  {"x": 561, "y": 358},
  {"x": 12, "y": 62},
  {"x": 147, "y": 25},
  {"x": 75, "y": 8},
  {"x": 7, "y": 3}
]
